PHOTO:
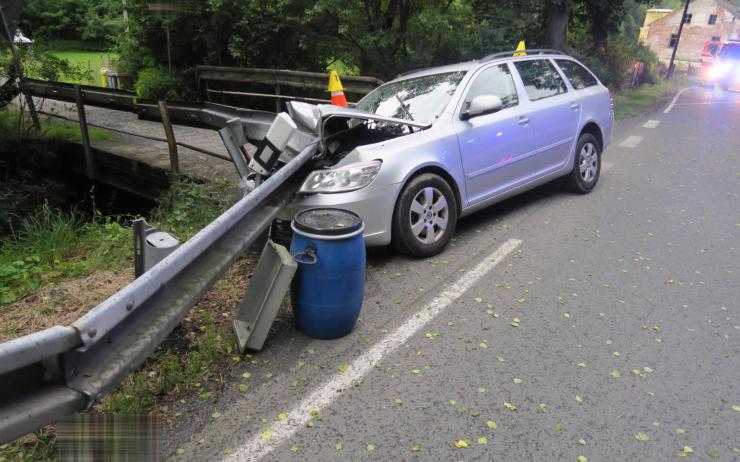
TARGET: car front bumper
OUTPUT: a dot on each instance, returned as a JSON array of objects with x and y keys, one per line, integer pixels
[{"x": 374, "y": 204}]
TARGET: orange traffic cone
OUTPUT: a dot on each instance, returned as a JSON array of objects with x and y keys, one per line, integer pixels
[{"x": 336, "y": 89}]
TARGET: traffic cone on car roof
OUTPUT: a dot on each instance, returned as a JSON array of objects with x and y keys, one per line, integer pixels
[
  {"x": 521, "y": 49},
  {"x": 336, "y": 89}
]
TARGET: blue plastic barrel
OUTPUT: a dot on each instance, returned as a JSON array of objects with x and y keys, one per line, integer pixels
[{"x": 329, "y": 285}]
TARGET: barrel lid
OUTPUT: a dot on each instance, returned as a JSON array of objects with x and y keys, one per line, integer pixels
[{"x": 327, "y": 222}]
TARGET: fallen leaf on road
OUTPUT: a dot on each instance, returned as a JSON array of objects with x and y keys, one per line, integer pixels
[
  {"x": 370, "y": 447},
  {"x": 398, "y": 401},
  {"x": 247, "y": 375},
  {"x": 478, "y": 299},
  {"x": 282, "y": 416},
  {"x": 736, "y": 408},
  {"x": 640, "y": 436},
  {"x": 459, "y": 444},
  {"x": 216, "y": 415},
  {"x": 338, "y": 446},
  {"x": 582, "y": 458},
  {"x": 416, "y": 447},
  {"x": 566, "y": 314},
  {"x": 542, "y": 408},
  {"x": 482, "y": 440},
  {"x": 579, "y": 399},
  {"x": 491, "y": 424},
  {"x": 509, "y": 406},
  {"x": 615, "y": 374},
  {"x": 647, "y": 369},
  {"x": 517, "y": 380},
  {"x": 680, "y": 431},
  {"x": 294, "y": 449},
  {"x": 483, "y": 345},
  {"x": 583, "y": 365},
  {"x": 481, "y": 390},
  {"x": 343, "y": 368},
  {"x": 266, "y": 434},
  {"x": 616, "y": 353}
]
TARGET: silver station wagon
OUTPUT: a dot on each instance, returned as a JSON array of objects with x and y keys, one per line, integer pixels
[{"x": 433, "y": 145}]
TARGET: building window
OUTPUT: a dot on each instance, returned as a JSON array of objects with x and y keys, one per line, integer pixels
[
  {"x": 687, "y": 18},
  {"x": 674, "y": 39},
  {"x": 716, "y": 38},
  {"x": 712, "y": 19}
]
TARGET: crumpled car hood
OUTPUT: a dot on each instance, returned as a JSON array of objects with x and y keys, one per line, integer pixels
[{"x": 309, "y": 116}]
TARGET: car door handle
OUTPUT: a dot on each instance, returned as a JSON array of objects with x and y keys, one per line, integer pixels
[
  {"x": 523, "y": 120},
  {"x": 575, "y": 106}
]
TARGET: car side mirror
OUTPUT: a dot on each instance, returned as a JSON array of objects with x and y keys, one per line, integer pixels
[{"x": 483, "y": 104}]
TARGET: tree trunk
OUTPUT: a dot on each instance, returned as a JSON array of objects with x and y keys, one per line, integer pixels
[{"x": 557, "y": 25}]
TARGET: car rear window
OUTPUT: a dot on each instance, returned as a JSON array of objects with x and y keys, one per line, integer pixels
[
  {"x": 578, "y": 75},
  {"x": 540, "y": 78}
]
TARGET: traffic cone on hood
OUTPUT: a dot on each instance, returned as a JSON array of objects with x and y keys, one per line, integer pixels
[{"x": 336, "y": 89}]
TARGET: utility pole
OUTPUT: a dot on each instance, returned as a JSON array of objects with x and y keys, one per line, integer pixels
[{"x": 672, "y": 65}]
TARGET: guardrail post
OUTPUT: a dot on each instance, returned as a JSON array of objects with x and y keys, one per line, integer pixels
[
  {"x": 85, "y": 135},
  {"x": 278, "y": 106},
  {"x": 170, "y": 134}
]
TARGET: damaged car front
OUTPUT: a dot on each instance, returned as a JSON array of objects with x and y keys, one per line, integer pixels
[{"x": 368, "y": 154}]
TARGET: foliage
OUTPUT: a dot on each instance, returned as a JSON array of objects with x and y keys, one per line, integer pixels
[
  {"x": 89, "y": 20},
  {"x": 645, "y": 99},
  {"x": 187, "y": 207},
  {"x": 52, "y": 245},
  {"x": 156, "y": 83},
  {"x": 35, "y": 447}
]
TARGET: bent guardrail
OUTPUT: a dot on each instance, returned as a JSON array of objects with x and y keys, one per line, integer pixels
[{"x": 53, "y": 373}]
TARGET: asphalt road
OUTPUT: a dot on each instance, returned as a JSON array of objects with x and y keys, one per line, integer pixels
[{"x": 605, "y": 326}]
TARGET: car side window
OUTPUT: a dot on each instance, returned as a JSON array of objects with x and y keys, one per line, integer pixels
[
  {"x": 578, "y": 76},
  {"x": 496, "y": 80},
  {"x": 540, "y": 78}
]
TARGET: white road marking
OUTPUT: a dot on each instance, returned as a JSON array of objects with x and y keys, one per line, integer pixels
[
  {"x": 605, "y": 166},
  {"x": 707, "y": 103},
  {"x": 675, "y": 98},
  {"x": 257, "y": 447},
  {"x": 631, "y": 141},
  {"x": 651, "y": 123}
]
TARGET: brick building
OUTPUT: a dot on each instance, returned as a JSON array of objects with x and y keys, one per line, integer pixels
[{"x": 705, "y": 20}]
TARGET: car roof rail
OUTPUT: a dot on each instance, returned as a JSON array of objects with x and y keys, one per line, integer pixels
[
  {"x": 412, "y": 71},
  {"x": 510, "y": 54}
]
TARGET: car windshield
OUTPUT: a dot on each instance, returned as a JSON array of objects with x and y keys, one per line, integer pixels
[
  {"x": 730, "y": 52},
  {"x": 421, "y": 99}
]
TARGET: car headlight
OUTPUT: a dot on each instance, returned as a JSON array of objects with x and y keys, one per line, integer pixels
[{"x": 342, "y": 179}]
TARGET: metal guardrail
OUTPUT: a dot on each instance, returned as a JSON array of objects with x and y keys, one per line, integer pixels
[
  {"x": 284, "y": 78},
  {"x": 53, "y": 373}
]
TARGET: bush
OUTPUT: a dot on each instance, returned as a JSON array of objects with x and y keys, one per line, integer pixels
[{"x": 157, "y": 83}]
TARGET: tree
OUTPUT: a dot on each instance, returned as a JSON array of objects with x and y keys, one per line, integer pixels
[{"x": 557, "y": 23}]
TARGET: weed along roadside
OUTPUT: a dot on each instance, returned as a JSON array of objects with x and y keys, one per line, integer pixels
[{"x": 59, "y": 258}]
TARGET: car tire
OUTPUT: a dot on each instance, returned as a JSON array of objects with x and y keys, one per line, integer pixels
[
  {"x": 425, "y": 216},
  {"x": 586, "y": 165}
]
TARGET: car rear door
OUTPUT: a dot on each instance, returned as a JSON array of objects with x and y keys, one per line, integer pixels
[
  {"x": 492, "y": 146},
  {"x": 555, "y": 115}
]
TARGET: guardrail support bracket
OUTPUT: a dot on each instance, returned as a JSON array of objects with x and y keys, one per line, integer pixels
[{"x": 266, "y": 292}]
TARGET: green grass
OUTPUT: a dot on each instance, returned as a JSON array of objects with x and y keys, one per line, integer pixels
[
  {"x": 190, "y": 371},
  {"x": 646, "y": 98},
  {"x": 91, "y": 60},
  {"x": 12, "y": 125},
  {"x": 52, "y": 245},
  {"x": 187, "y": 207}
]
